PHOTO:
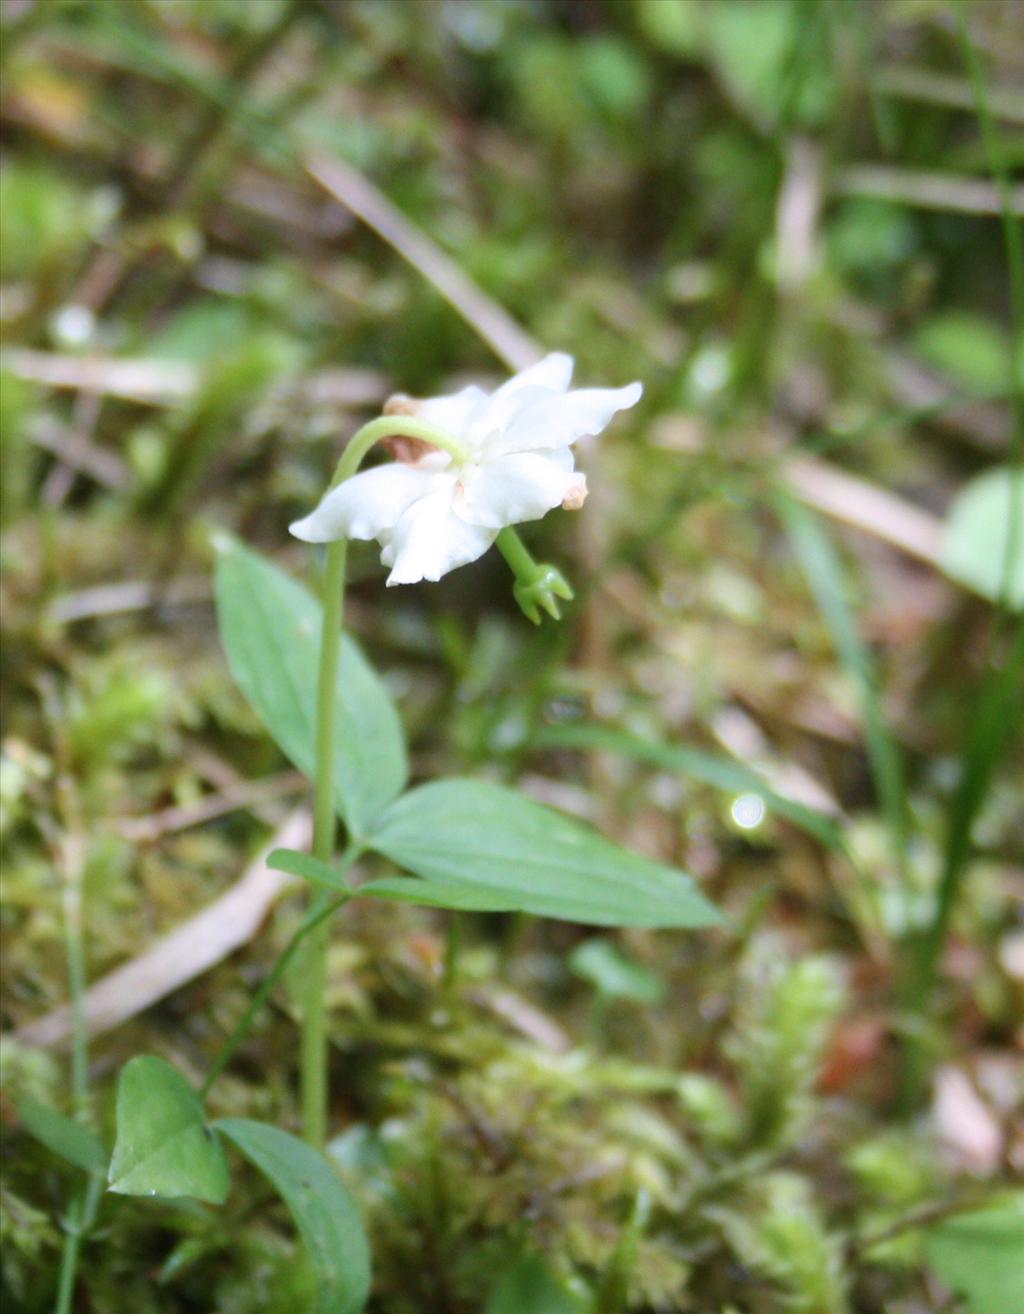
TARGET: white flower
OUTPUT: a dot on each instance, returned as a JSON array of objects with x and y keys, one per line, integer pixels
[{"x": 437, "y": 512}]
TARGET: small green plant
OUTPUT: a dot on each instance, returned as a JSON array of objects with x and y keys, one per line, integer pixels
[{"x": 469, "y": 467}]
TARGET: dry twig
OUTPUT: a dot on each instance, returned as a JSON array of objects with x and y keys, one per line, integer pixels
[
  {"x": 492, "y": 322},
  {"x": 926, "y": 191}
]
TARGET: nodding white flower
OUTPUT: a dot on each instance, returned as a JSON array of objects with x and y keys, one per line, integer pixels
[{"x": 431, "y": 511}]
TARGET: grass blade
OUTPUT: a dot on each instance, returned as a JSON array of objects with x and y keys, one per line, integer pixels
[{"x": 824, "y": 573}]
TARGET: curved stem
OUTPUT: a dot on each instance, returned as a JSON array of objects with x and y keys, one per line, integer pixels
[
  {"x": 394, "y": 426},
  {"x": 519, "y": 558}
]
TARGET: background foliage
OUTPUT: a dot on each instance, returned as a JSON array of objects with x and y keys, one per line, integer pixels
[{"x": 794, "y": 220}]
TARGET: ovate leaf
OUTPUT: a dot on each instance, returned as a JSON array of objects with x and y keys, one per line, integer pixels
[
  {"x": 62, "y": 1135},
  {"x": 324, "y": 1212},
  {"x": 163, "y": 1145},
  {"x": 476, "y": 835},
  {"x": 270, "y": 629},
  {"x": 980, "y": 531},
  {"x": 980, "y": 1256}
]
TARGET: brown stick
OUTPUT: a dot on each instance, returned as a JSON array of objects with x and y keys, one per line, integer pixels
[
  {"x": 866, "y": 507},
  {"x": 510, "y": 342}
]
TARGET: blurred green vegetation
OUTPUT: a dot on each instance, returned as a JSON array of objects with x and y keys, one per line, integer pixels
[{"x": 782, "y": 216}]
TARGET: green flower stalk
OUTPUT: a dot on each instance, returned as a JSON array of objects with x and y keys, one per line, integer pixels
[{"x": 469, "y": 467}]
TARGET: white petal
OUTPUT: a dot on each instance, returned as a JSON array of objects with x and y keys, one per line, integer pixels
[
  {"x": 368, "y": 504},
  {"x": 558, "y": 421},
  {"x": 453, "y": 414},
  {"x": 550, "y": 377},
  {"x": 554, "y": 372},
  {"x": 524, "y": 486},
  {"x": 430, "y": 540}
]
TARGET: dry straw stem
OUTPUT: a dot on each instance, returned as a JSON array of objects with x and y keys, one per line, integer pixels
[
  {"x": 927, "y": 191},
  {"x": 510, "y": 342},
  {"x": 867, "y": 507},
  {"x": 930, "y": 88},
  {"x": 163, "y": 382}
]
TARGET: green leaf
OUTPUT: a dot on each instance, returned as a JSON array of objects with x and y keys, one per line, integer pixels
[
  {"x": 270, "y": 628},
  {"x": 473, "y": 834},
  {"x": 309, "y": 868},
  {"x": 720, "y": 772},
  {"x": 529, "y": 1287},
  {"x": 672, "y": 26},
  {"x": 827, "y": 580},
  {"x": 65, "y": 1137},
  {"x": 468, "y": 897},
  {"x": 614, "y": 975},
  {"x": 977, "y": 535},
  {"x": 769, "y": 56},
  {"x": 980, "y": 1255},
  {"x": 163, "y": 1145},
  {"x": 324, "y": 1212},
  {"x": 973, "y": 350}
]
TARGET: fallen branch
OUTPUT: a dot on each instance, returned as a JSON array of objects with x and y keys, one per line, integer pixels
[
  {"x": 866, "y": 507},
  {"x": 490, "y": 320},
  {"x": 127, "y": 595},
  {"x": 926, "y": 191},
  {"x": 153, "y": 382},
  {"x": 166, "y": 382}
]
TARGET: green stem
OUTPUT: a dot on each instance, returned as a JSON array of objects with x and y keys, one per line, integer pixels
[
  {"x": 394, "y": 426},
  {"x": 69, "y": 1259},
  {"x": 314, "y": 1012},
  {"x": 320, "y": 910},
  {"x": 75, "y": 949},
  {"x": 313, "y": 1058},
  {"x": 83, "y": 1208},
  {"x": 314, "y": 1016},
  {"x": 453, "y": 943},
  {"x": 80, "y": 1219},
  {"x": 515, "y": 552}
]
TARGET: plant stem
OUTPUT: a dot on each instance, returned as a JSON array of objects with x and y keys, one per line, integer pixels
[
  {"x": 82, "y": 1210},
  {"x": 69, "y": 1260},
  {"x": 394, "y": 426},
  {"x": 319, "y": 910},
  {"x": 453, "y": 943},
  {"x": 75, "y": 950},
  {"x": 314, "y": 1010},
  {"x": 313, "y": 1057},
  {"x": 515, "y": 552},
  {"x": 80, "y": 1219}
]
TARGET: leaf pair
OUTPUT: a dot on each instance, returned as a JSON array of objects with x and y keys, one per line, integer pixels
[
  {"x": 165, "y": 1148},
  {"x": 468, "y": 844}
]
